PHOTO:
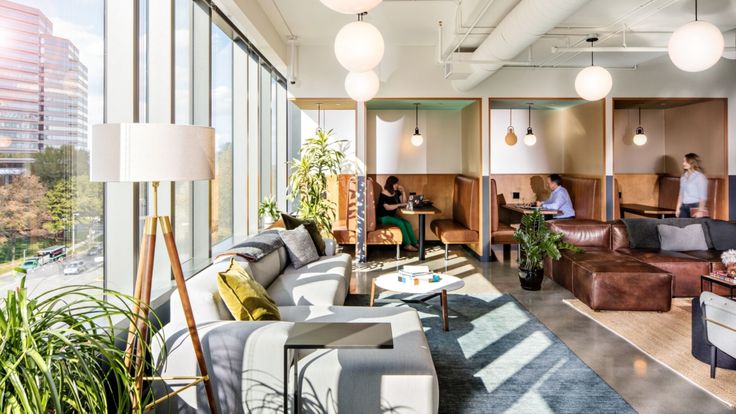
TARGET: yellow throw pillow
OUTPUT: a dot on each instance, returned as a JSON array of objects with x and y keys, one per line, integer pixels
[{"x": 245, "y": 298}]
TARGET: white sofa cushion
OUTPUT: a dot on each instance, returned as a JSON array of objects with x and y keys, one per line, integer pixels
[
  {"x": 324, "y": 282},
  {"x": 398, "y": 380},
  {"x": 204, "y": 296},
  {"x": 245, "y": 362}
]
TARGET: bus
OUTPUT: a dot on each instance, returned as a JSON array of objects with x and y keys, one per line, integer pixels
[{"x": 52, "y": 254}]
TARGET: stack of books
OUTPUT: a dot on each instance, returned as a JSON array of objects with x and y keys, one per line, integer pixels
[{"x": 416, "y": 275}]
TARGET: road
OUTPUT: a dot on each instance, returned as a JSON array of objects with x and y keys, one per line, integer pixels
[{"x": 51, "y": 275}]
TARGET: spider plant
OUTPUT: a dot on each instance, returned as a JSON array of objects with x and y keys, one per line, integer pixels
[
  {"x": 269, "y": 209},
  {"x": 60, "y": 352}
]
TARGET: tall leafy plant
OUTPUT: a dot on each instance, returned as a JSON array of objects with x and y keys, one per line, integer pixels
[
  {"x": 320, "y": 157},
  {"x": 59, "y": 352},
  {"x": 537, "y": 241}
]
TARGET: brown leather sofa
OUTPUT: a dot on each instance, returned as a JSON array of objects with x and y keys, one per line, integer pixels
[
  {"x": 464, "y": 227},
  {"x": 375, "y": 233},
  {"x": 610, "y": 275},
  {"x": 501, "y": 233}
]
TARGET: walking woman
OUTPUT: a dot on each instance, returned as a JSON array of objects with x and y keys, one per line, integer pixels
[
  {"x": 693, "y": 189},
  {"x": 393, "y": 197}
]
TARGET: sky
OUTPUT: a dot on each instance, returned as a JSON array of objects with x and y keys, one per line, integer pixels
[{"x": 82, "y": 22}]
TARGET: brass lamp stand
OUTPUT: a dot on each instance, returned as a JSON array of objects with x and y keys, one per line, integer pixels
[{"x": 138, "y": 332}]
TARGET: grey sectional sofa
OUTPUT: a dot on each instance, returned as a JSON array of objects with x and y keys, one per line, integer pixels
[{"x": 245, "y": 359}]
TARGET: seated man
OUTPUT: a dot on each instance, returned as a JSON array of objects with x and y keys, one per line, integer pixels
[{"x": 559, "y": 199}]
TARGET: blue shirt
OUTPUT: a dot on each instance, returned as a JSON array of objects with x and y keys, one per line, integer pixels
[
  {"x": 560, "y": 200},
  {"x": 693, "y": 187}
]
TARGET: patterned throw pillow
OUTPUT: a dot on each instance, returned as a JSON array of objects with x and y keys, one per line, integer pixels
[
  {"x": 300, "y": 246},
  {"x": 291, "y": 222},
  {"x": 244, "y": 297}
]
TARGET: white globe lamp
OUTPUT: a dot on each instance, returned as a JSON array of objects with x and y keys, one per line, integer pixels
[
  {"x": 530, "y": 139},
  {"x": 593, "y": 83},
  {"x": 696, "y": 46},
  {"x": 359, "y": 46},
  {"x": 351, "y": 6},
  {"x": 362, "y": 86},
  {"x": 417, "y": 140},
  {"x": 639, "y": 137}
]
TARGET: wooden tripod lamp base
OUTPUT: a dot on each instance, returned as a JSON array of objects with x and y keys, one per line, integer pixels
[{"x": 136, "y": 351}]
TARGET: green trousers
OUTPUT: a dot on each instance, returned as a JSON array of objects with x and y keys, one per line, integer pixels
[{"x": 407, "y": 232}]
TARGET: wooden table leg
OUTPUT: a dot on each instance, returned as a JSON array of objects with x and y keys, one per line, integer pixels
[
  {"x": 421, "y": 237},
  {"x": 373, "y": 290},
  {"x": 443, "y": 299}
]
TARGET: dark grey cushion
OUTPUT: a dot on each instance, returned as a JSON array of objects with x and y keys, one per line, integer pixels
[
  {"x": 643, "y": 233},
  {"x": 722, "y": 234},
  {"x": 300, "y": 246},
  {"x": 682, "y": 239},
  {"x": 291, "y": 222}
]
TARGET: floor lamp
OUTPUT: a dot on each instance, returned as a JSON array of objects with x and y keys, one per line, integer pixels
[{"x": 132, "y": 152}]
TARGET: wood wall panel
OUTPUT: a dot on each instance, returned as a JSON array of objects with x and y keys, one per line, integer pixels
[{"x": 635, "y": 189}]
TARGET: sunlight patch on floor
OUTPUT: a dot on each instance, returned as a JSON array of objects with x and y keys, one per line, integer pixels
[
  {"x": 532, "y": 401},
  {"x": 513, "y": 360},
  {"x": 491, "y": 327}
]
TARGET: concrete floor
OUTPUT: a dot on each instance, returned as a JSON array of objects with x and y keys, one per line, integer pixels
[{"x": 647, "y": 385}]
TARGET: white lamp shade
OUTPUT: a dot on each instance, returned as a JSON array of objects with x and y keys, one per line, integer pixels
[
  {"x": 593, "y": 83},
  {"x": 362, "y": 86},
  {"x": 351, "y": 6},
  {"x": 640, "y": 139},
  {"x": 696, "y": 46},
  {"x": 359, "y": 46},
  {"x": 131, "y": 152},
  {"x": 417, "y": 140},
  {"x": 530, "y": 139}
]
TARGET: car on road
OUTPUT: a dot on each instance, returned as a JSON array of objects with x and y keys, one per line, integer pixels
[
  {"x": 74, "y": 268},
  {"x": 95, "y": 251},
  {"x": 31, "y": 263}
]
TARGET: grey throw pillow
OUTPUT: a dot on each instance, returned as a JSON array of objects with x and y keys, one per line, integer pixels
[
  {"x": 300, "y": 246},
  {"x": 683, "y": 239}
]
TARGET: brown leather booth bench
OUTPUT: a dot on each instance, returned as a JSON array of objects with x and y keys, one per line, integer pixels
[
  {"x": 376, "y": 234},
  {"x": 585, "y": 196},
  {"x": 501, "y": 233},
  {"x": 464, "y": 227}
]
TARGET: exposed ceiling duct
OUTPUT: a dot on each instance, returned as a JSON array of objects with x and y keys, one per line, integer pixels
[{"x": 523, "y": 26}]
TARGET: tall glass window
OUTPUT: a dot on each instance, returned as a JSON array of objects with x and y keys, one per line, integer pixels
[
  {"x": 51, "y": 224},
  {"x": 222, "y": 121},
  {"x": 183, "y": 115}
]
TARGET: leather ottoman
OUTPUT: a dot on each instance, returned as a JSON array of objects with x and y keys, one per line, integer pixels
[{"x": 612, "y": 282}]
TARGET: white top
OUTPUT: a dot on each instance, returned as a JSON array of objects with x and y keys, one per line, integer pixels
[
  {"x": 390, "y": 281},
  {"x": 693, "y": 187}
]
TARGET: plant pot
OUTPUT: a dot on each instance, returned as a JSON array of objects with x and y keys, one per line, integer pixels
[
  {"x": 330, "y": 247},
  {"x": 731, "y": 269},
  {"x": 531, "y": 279},
  {"x": 267, "y": 221}
]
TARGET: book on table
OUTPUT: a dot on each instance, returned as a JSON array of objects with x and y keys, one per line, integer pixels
[{"x": 416, "y": 275}]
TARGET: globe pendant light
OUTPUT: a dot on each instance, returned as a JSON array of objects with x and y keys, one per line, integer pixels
[
  {"x": 417, "y": 138},
  {"x": 351, "y": 6},
  {"x": 594, "y": 82},
  {"x": 362, "y": 86},
  {"x": 696, "y": 46},
  {"x": 640, "y": 139},
  {"x": 359, "y": 46},
  {"x": 511, "y": 138},
  {"x": 529, "y": 138}
]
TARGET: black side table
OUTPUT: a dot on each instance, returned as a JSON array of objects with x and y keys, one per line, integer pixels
[{"x": 335, "y": 335}]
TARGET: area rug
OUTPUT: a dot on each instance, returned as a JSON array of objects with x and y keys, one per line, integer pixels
[
  {"x": 498, "y": 358},
  {"x": 666, "y": 338}
]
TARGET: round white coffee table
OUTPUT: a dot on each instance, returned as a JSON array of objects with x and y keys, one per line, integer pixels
[{"x": 390, "y": 281}]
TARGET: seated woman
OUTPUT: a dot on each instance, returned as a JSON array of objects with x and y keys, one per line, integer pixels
[{"x": 393, "y": 197}]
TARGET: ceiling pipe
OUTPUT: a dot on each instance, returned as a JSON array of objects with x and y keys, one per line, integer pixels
[
  {"x": 523, "y": 26},
  {"x": 642, "y": 49}
]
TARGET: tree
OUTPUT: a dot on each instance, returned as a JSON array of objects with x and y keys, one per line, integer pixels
[
  {"x": 55, "y": 164},
  {"x": 72, "y": 196},
  {"x": 23, "y": 211}
]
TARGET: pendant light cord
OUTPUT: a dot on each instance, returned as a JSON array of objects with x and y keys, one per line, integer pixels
[
  {"x": 696, "y": 10},
  {"x": 640, "y": 116},
  {"x": 530, "y": 116},
  {"x": 319, "y": 116},
  {"x": 416, "y": 116}
]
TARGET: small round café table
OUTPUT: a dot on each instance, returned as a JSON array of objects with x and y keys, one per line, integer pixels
[{"x": 390, "y": 281}]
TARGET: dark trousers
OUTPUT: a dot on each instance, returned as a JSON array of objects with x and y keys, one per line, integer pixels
[{"x": 685, "y": 209}]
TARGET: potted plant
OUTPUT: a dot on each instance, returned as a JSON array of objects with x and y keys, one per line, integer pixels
[
  {"x": 61, "y": 352},
  {"x": 729, "y": 260},
  {"x": 320, "y": 157},
  {"x": 536, "y": 242},
  {"x": 268, "y": 211}
]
